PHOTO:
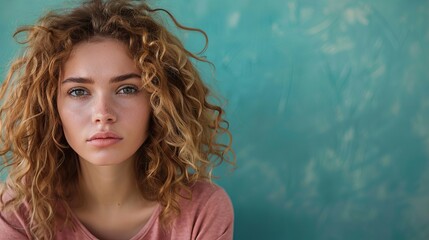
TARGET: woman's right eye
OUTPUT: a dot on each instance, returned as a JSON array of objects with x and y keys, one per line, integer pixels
[{"x": 77, "y": 92}]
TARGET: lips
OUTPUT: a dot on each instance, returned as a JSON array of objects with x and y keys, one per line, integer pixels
[{"x": 104, "y": 139}]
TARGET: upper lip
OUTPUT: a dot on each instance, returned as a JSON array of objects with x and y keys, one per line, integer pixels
[{"x": 104, "y": 135}]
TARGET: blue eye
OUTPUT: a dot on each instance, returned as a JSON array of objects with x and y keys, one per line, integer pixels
[
  {"x": 127, "y": 90},
  {"x": 78, "y": 92}
]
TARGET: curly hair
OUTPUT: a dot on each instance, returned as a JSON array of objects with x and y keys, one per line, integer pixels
[{"x": 184, "y": 143}]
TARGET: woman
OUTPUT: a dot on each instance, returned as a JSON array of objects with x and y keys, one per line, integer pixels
[{"x": 107, "y": 132}]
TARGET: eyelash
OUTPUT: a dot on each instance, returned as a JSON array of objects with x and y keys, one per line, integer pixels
[
  {"x": 133, "y": 88},
  {"x": 72, "y": 92},
  {"x": 81, "y": 92}
]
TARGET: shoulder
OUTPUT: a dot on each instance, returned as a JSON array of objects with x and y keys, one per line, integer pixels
[
  {"x": 13, "y": 221},
  {"x": 209, "y": 212},
  {"x": 208, "y": 194},
  {"x": 205, "y": 196}
]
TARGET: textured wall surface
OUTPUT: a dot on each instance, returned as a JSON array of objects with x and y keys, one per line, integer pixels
[{"x": 328, "y": 103}]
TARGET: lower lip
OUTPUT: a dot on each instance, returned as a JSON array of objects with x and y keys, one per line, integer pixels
[{"x": 103, "y": 142}]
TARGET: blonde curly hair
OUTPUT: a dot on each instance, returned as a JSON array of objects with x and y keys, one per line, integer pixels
[{"x": 183, "y": 145}]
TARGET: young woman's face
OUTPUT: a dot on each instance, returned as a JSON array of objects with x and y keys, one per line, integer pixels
[{"x": 103, "y": 110}]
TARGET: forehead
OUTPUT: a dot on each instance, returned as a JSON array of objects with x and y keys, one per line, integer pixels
[
  {"x": 97, "y": 47},
  {"x": 99, "y": 57}
]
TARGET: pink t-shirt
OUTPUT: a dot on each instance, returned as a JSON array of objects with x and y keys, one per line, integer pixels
[{"x": 209, "y": 215}]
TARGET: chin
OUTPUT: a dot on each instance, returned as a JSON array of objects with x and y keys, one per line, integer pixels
[{"x": 106, "y": 160}]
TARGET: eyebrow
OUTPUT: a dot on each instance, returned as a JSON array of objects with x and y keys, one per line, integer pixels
[{"x": 115, "y": 79}]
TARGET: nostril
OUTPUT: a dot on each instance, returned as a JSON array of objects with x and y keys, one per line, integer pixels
[{"x": 105, "y": 117}]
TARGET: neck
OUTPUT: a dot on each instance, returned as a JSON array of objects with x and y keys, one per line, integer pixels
[{"x": 108, "y": 186}]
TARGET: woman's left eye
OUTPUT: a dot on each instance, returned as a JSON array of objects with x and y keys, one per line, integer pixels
[{"x": 127, "y": 90}]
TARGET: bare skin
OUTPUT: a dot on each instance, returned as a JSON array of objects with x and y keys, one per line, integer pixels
[
  {"x": 105, "y": 117},
  {"x": 110, "y": 205}
]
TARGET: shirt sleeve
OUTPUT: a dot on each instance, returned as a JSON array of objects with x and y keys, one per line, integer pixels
[
  {"x": 13, "y": 222},
  {"x": 216, "y": 219},
  {"x": 11, "y": 226}
]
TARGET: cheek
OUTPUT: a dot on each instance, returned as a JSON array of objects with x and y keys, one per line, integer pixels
[
  {"x": 140, "y": 120},
  {"x": 71, "y": 117},
  {"x": 68, "y": 123},
  {"x": 135, "y": 110}
]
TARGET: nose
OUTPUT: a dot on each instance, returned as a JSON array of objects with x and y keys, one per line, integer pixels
[{"x": 103, "y": 112}]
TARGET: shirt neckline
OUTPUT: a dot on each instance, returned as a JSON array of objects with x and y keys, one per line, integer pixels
[{"x": 141, "y": 233}]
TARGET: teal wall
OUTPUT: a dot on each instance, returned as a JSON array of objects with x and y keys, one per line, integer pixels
[{"x": 328, "y": 102}]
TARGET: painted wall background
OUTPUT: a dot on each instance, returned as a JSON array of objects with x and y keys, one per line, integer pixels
[{"x": 328, "y": 103}]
